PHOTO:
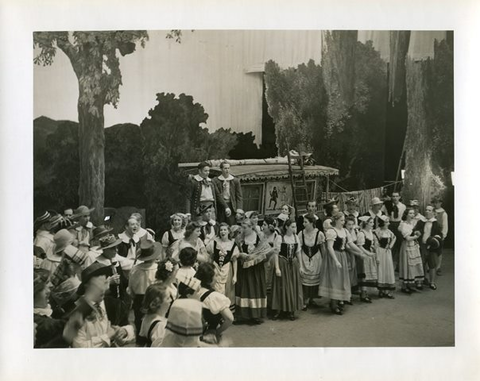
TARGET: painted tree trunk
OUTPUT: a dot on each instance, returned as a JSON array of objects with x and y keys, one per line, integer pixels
[
  {"x": 91, "y": 140},
  {"x": 399, "y": 43},
  {"x": 418, "y": 155}
]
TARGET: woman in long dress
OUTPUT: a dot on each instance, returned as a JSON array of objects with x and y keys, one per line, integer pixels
[
  {"x": 312, "y": 243},
  {"x": 410, "y": 260},
  {"x": 251, "y": 289},
  {"x": 366, "y": 265},
  {"x": 386, "y": 271},
  {"x": 224, "y": 253},
  {"x": 350, "y": 225},
  {"x": 334, "y": 276},
  {"x": 287, "y": 294},
  {"x": 270, "y": 235}
]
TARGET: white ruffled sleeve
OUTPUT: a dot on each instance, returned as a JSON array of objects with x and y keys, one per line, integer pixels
[
  {"x": 216, "y": 302},
  {"x": 330, "y": 235}
]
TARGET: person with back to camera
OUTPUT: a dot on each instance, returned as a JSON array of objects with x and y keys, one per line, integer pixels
[
  {"x": 152, "y": 330},
  {"x": 216, "y": 311},
  {"x": 166, "y": 277}
]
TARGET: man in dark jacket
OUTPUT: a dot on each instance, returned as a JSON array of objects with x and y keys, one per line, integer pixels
[
  {"x": 202, "y": 192},
  {"x": 431, "y": 242},
  {"x": 229, "y": 189}
]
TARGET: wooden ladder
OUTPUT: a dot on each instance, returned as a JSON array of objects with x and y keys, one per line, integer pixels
[{"x": 301, "y": 196}]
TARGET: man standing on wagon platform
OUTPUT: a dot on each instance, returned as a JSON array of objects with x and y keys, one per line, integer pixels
[
  {"x": 202, "y": 192},
  {"x": 230, "y": 191}
]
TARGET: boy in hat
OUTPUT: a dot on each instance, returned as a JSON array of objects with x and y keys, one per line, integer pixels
[
  {"x": 142, "y": 276},
  {"x": 202, "y": 192},
  {"x": 430, "y": 243},
  {"x": 83, "y": 231},
  {"x": 375, "y": 210},
  {"x": 312, "y": 212},
  {"x": 442, "y": 219},
  {"x": 117, "y": 300},
  {"x": 97, "y": 331},
  {"x": 229, "y": 189}
]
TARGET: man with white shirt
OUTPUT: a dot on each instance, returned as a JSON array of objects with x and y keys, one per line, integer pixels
[
  {"x": 442, "y": 219},
  {"x": 394, "y": 210},
  {"x": 431, "y": 242},
  {"x": 352, "y": 209},
  {"x": 375, "y": 210},
  {"x": 83, "y": 229},
  {"x": 202, "y": 192},
  {"x": 228, "y": 187},
  {"x": 312, "y": 212}
]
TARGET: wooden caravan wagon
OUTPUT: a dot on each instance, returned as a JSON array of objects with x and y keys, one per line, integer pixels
[{"x": 267, "y": 184}]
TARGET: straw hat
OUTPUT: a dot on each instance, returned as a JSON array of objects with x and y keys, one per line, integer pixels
[
  {"x": 149, "y": 251},
  {"x": 185, "y": 317},
  {"x": 433, "y": 243},
  {"x": 330, "y": 202},
  {"x": 351, "y": 200},
  {"x": 62, "y": 239},
  {"x": 101, "y": 231},
  {"x": 109, "y": 241},
  {"x": 82, "y": 210},
  {"x": 414, "y": 203},
  {"x": 376, "y": 201}
]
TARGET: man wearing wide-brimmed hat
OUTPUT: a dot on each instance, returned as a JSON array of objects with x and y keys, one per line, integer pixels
[
  {"x": 117, "y": 300},
  {"x": 97, "y": 330},
  {"x": 53, "y": 245},
  {"x": 143, "y": 275},
  {"x": 375, "y": 210},
  {"x": 83, "y": 231},
  {"x": 97, "y": 234}
]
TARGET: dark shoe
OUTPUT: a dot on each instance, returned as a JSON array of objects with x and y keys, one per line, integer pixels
[
  {"x": 276, "y": 316},
  {"x": 349, "y": 302},
  {"x": 366, "y": 299},
  {"x": 412, "y": 290},
  {"x": 433, "y": 286},
  {"x": 341, "y": 305},
  {"x": 337, "y": 311},
  {"x": 381, "y": 294},
  {"x": 311, "y": 303},
  {"x": 292, "y": 316},
  {"x": 305, "y": 308},
  {"x": 419, "y": 286},
  {"x": 426, "y": 282},
  {"x": 390, "y": 296},
  {"x": 406, "y": 291}
]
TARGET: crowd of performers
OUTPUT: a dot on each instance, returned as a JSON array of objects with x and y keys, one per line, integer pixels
[{"x": 219, "y": 265}]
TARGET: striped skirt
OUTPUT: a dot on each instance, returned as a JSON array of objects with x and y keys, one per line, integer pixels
[
  {"x": 410, "y": 263},
  {"x": 251, "y": 292}
]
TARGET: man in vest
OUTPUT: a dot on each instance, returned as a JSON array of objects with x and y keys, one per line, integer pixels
[
  {"x": 311, "y": 211},
  {"x": 430, "y": 243},
  {"x": 202, "y": 192},
  {"x": 230, "y": 191}
]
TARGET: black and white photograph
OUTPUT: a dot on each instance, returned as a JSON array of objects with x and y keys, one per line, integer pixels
[{"x": 259, "y": 188}]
